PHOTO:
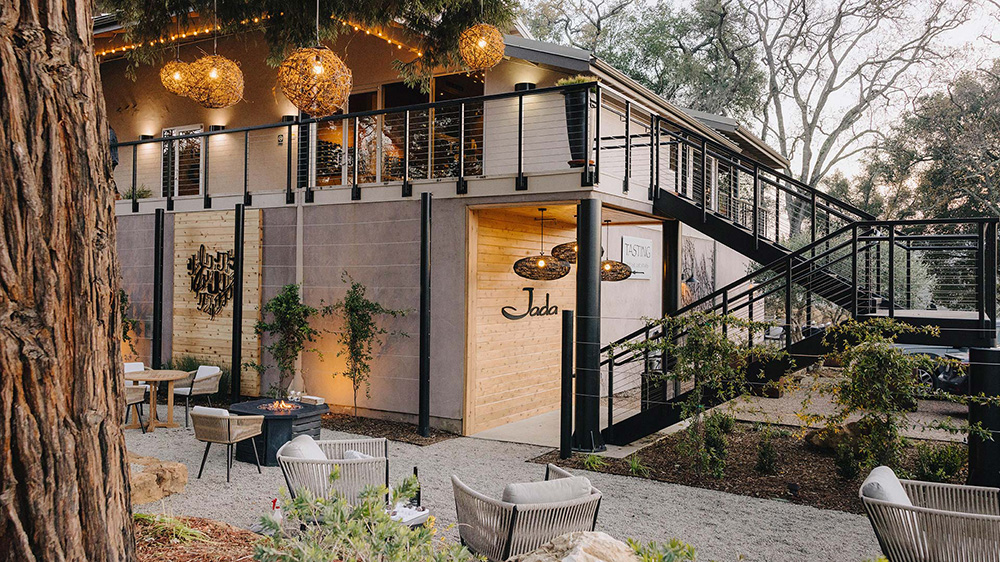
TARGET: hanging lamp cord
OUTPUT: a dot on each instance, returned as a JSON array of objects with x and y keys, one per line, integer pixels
[{"x": 215, "y": 28}]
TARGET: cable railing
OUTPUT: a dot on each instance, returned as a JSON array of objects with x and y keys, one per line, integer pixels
[{"x": 926, "y": 272}]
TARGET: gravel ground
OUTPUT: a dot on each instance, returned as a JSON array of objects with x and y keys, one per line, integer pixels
[{"x": 721, "y": 526}]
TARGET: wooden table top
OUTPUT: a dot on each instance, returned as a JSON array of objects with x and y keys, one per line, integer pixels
[{"x": 156, "y": 375}]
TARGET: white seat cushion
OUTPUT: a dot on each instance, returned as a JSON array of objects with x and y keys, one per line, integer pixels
[
  {"x": 134, "y": 367},
  {"x": 350, "y": 455},
  {"x": 215, "y": 412},
  {"x": 551, "y": 491},
  {"x": 302, "y": 447},
  {"x": 182, "y": 390},
  {"x": 883, "y": 485},
  {"x": 206, "y": 371}
]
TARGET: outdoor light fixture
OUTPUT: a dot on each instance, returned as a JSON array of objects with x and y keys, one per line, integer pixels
[
  {"x": 481, "y": 46},
  {"x": 566, "y": 252},
  {"x": 541, "y": 267},
  {"x": 215, "y": 81},
  {"x": 614, "y": 270},
  {"x": 215, "y": 128},
  {"x": 315, "y": 80},
  {"x": 175, "y": 75}
]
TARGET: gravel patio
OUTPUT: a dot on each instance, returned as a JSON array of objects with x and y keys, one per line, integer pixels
[{"x": 721, "y": 526}]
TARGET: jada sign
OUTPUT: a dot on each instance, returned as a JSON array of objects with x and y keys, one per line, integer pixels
[
  {"x": 212, "y": 279},
  {"x": 531, "y": 309}
]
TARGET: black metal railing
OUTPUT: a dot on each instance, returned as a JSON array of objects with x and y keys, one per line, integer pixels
[{"x": 927, "y": 272}]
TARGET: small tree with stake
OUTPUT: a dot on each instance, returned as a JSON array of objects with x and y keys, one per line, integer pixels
[
  {"x": 290, "y": 326},
  {"x": 360, "y": 334}
]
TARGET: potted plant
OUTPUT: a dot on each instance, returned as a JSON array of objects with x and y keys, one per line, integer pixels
[{"x": 576, "y": 118}]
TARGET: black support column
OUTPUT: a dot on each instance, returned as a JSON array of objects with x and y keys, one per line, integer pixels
[
  {"x": 156, "y": 358},
  {"x": 671, "y": 267},
  {"x": 424, "y": 421},
  {"x": 588, "y": 331},
  {"x": 236, "y": 370},
  {"x": 984, "y": 378}
]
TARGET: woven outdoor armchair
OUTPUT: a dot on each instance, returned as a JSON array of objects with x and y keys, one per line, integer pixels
[
  {"x": 215, "y": 425},
  {"x": 500, "y": 530},
  {"x": 946, "y": 523},
  {"x": 134, "y": 395},
  {"x": 202, "y": 382},
  {"x": 355, "y": 474}
]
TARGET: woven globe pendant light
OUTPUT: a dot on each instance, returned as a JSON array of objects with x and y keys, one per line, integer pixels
[
  {"x": 215, "y": 82},
  {"x": 481, "y": 46},
  {"x": 175, "y": 76},
  {"x": 316, "y": 81},
  {"x": 612, "y": 270},
  {"x": 541, "y": 267},
  {"x": 566, "y": 252}
]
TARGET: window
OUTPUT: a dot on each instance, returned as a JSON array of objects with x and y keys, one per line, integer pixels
[
  {"x": 447, "y": 120},
  {"x": 335, "y": 141},
  {"x": 181, "y": 162}
]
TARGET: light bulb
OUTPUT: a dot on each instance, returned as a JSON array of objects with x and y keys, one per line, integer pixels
[
  {"x": 575, "y": 247},
  {"x": 177, "y": 76},
  {"x": 214, "y": 73},
  {"x": 317, "y": 68},
  {"x": 607, "y": 267},
  {"x": 541, "y": 263},
  {"x": 482, "y": 43}
]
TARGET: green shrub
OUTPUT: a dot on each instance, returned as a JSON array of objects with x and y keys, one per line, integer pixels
[
  {"x": 726, "y": 422},
  {"x": 673, "y": 551},
  {"x": 636, "y": 466},
  {"x": 141, "y": 192},
  {"x": 714, "y": 453},
  {"x": 939, "y": 463},
  {"x": 767, "y": 454},
  {"x": 846, "y": 460},
  {"x": 320, "y": 530},
  {"x": 594, "y": 462}
]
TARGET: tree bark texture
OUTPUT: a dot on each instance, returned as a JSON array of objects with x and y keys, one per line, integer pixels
[{"x": 63, "y": 474}]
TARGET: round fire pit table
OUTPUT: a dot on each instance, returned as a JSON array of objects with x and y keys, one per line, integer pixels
[{"x": 281, "y": 425}]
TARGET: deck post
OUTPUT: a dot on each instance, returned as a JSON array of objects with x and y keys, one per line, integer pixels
[
  {"x": 588, "y": 332},
  {"x": 424, "y": 421},
  {"x": 236, "y": 366},
  {"x": 984, "y": 378},
  {"x": 156, "y": 357},
  {"x": 566, "y": 401}
]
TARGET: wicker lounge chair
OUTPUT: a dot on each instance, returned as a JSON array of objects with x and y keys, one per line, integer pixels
[
  {"x": 929, "y": 522},
  {"x": 215, "y": 425},
  {"x": 202, "y": 382},
  {"x": 499, "y": 529},
  {"x": 356, "y": 474}
]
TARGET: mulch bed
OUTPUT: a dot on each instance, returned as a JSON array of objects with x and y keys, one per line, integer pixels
[
  {"x": 798, "y": 464},
  {"x": 392, "y": 430},
  {"x": 225, "y": 543}
]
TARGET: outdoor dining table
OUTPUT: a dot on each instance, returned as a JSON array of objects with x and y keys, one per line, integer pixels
[{"x": 154, "y": 377}]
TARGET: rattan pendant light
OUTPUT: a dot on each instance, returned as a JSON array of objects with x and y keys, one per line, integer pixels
[
  {"x": 541, "y": 267},
  {"x": 481, "y": 46},
  {"x": 215, "y": 81},
  {"x": 612, "y": 270},
  {"x": 315, "y": 80},
  {"x": 567, "y": 251},
  {"x": 175, "y": 75}
]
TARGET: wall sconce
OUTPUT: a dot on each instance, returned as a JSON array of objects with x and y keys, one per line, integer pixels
[
  {"x": 215, "y": 128},
  {"x": 524, "y": 86},
  {"x": 145, "y": 137},
  {"x": 288, "y": 118}
]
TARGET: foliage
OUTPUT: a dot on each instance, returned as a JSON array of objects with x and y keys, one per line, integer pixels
[
  {"x": 292, "y": 333},
  {"x": 578, "y": 79},
  {"x": 673, "y": 551},
  {"x": 697, "y": 55},
  {"x": 321, "y": 530},
  {"x": 939, "y": 463},
  {"x": 141, "y": 192},
  {"x": 361, "y": 332},
  {"x": 594, "y": 463},
  {"x": 636, "y": 467},
  {"x": 170, "y": 528},
  {"x": 129, "y": 324},
  {"x": 191, "y": 363},
  {"x": 847, "y": 460},
  {"x": 767, "y": 454},
  {"x": 435, "y": 25}
]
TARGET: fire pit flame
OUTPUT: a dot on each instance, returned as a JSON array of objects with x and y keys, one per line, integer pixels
[{"x": 280, "y": 406}]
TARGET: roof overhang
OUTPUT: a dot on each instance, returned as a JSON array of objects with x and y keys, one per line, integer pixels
[{"x": 751, "y": 143}]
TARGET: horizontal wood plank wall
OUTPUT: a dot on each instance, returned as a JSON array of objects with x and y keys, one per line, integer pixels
[
  {"x": 513, "y": 364},
  {"x": 195, "y": 332}
]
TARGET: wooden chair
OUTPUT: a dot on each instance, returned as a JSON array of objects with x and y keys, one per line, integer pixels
[
  {"x": 934, "y": 522},
  {"x": 202, "y": 382},
  {"x": 500, "y": 530},
  {"x": 356, "y": 474},
  {"x": 216, "y": 425},
  {"x": 136, "y": 367},
  {"x": 134, "y": 396}
]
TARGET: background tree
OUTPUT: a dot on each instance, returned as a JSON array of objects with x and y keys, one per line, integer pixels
[
  {"x": 63, "y": 473},
  {"x": 289, "y": 26}
]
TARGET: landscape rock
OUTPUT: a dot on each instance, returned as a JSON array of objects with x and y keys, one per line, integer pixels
[
  {"x": 153, "y": 479},
  {"x": 829, "y": 438},
  {"x": 582, "y": 547}
]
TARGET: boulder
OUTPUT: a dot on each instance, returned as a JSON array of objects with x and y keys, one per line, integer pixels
[
  {"x": 582, "y": 547},
  {"x": 153, "y": 479},
  {"x": 829, "y": 438}
]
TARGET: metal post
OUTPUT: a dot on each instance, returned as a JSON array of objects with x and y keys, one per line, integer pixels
[
  {"x": 407, "y": 186},
  {"x": 355, "y": 189},
  {"x": 207, "y": 197},
  {"x": 236, "y": 369},
  {"x": 462, "y": 186},
  {"x": 704, "y": 180},
  {"x": 671, "y": 268},
  {"x": 628, "y": 146},
  {"x": 520, "y": 182},
  {"x": 159, "y": 221},
  {"x": 425, "y": 315},
  {"x": 597, "y": 137},
  {"x": 788, "y": 303},
  {"x": 588, "y": 331},
  {"x": 892, "y": 271},
  {"x": 171, "y": 175},
  {"x": 991, "y": 280},
  {"x": 909, "y": 276},
  {"x": 587, "y": 176},
  {"x": 247, "y": 198},
  {"x": 652, "y": 156},
  {"x": 289, "y": 195},
  {"x": 984, "y": 455},
  {"x": 756, "y": 207},
  {"x": 611, "y": 392},
  {"x": 854, "y": 272},
  {"x": 981, "y": 276},
  {"x": 135, "y": 196},
  {"x": 566, "y": 401}
]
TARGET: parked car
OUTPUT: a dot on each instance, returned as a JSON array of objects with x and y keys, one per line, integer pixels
[{"x": 946, "y": 375}]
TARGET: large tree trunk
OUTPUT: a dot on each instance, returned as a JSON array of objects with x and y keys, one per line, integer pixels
[{"x": 63, "y": 475}]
